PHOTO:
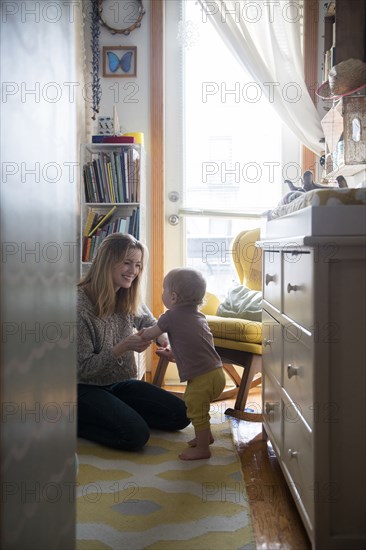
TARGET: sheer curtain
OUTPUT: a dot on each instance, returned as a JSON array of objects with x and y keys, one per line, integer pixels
[{"x": 265, "y": 37}]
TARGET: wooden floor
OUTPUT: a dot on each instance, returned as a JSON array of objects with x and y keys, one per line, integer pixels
[{"x": 275, "y": 519}]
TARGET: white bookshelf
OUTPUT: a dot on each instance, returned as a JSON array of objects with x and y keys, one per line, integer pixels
[{"x": 102, "y": 204}]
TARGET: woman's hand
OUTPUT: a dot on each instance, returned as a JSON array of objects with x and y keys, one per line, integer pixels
[{"x": 134, "y": 342}]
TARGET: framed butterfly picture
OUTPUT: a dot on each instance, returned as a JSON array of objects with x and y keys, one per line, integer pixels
[{"x": 119, "y": 61}]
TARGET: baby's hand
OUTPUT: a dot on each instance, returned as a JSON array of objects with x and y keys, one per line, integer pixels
[{"x": 166, "y": 353}]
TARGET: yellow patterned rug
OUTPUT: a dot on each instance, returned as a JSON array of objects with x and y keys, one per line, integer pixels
[{"x": 153, "y": 500}]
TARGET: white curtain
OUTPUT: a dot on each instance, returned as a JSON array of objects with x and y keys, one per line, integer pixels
[{"x": 265, "y": 37}]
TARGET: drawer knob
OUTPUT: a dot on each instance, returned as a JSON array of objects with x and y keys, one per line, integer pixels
[
  {"x": 292, "y": 288},
  {"x": 292, "y": 454},
  {"x": 292, "y": 371},
  {"x": 270, "y": 278},
  {"x": 270, "y": 407},
  {"x": 267, "y": 342}
]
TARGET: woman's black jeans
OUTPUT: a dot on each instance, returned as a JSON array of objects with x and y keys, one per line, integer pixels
[{"x": 121, "y": 415}]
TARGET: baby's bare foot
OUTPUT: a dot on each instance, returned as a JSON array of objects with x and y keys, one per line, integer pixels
[
  {"x": 195, "y": 453},
  {"x": 193, "y": 442}
]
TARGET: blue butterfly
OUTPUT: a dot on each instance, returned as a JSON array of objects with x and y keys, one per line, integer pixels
[{"x": 114, "y": 62}]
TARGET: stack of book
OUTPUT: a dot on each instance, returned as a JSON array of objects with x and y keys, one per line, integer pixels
[
  {"x": 98, "y": 226},
  {"x": 113, "y": 177}
]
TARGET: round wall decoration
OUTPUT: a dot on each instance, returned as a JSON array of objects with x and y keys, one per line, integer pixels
[{"x": 121, "y": 17}]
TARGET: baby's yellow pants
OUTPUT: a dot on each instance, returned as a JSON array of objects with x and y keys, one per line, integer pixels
[{"x": 200, "y": 393}]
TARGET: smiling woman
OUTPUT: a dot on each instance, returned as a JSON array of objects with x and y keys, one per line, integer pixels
[
  {"x": 126, "y": 271},
  {"x": 114, "y": 408}
]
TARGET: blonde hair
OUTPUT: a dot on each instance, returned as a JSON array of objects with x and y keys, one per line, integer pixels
[
  {"x": 98, "y": 282},
  {"x": 188, "y": 284}
]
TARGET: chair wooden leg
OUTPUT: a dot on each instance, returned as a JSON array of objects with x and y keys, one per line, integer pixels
[
  {"x": 233, "y": 373},
  {"x": 160, "y": 372},
  {"x": 252, "y": 367},
  {"x": 246, "y": 381},
  {"x": 158, "y": 379}
]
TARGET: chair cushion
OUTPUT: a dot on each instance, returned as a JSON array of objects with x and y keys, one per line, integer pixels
[
  {"x": 235, "y": 330},
  {"x": 240, "y": 346}
]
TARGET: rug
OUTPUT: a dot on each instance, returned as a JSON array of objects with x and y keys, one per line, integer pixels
[{"x": 153, "y": 500}]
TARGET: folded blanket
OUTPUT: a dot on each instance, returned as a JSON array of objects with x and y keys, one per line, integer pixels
[
  {"x": 320, "y": 197},
  {"x": 243, "y": 303}
]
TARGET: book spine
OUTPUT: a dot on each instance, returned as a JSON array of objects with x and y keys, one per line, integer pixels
[
  {"x": 88, "y": 223},
  {"x": 103, "y": 162},
  {"x": 125, "y": 163},
  {"x": 110, "y": 181},
  {"x": 98, "y": 183},
  {"x": 114, "y": 177},
  {"x": 107, "y": 197},
  {"x": 87, "y": 190}
]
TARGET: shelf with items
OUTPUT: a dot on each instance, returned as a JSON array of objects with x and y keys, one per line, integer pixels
[
  {"x": 344, "y": 51},
  {"x": 112, "y": 195},
  {"x": 344, "y": 128},
  {"x": 344, "y": 32}
]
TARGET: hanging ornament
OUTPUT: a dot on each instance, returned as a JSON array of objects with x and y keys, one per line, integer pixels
[{"x": 95, "y": 32}]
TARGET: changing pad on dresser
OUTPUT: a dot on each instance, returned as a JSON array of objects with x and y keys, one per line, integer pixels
[
  {"x": 320, "y": 197},
  {"x": 320, "y": 212}
]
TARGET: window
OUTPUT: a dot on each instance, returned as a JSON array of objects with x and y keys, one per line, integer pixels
[{"x": 232, "y": 148}]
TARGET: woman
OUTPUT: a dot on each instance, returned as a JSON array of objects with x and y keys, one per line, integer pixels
[{"x": 114, "y": 408}]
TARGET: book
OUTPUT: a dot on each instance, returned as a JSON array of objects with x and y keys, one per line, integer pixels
[
  {"x": 112, "y": 139},
  {"x": 87, "y": 188},
  {"x": 117, "y": 159},
  {"x": 92, "y": 196},
  {"x": 99, "y": 186},
  {"x": 122, "y": 222},
  {"x": 110, "y": 181},
  {"x": 89, "y": 223},
  {"x": 118, "y": 139},
  {"x": 86, "y": 249},
  {"x": 103, "y": 220}
]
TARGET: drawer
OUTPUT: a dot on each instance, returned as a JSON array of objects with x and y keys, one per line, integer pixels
[
  {"x": 272, "y": 345},
  {"x": 272, "y": 278},
  {"x": 298, "y": 287},
  {"x": 298, "y": 374},
  {"x": 298, "y": 458},
  {"x": 272, "y": 411}
]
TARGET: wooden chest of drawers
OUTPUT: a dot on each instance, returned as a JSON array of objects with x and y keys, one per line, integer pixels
[{"x": 314, "y": 380}]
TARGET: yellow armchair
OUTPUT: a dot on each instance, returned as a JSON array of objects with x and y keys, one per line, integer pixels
[{"x": 239, "y": 341}]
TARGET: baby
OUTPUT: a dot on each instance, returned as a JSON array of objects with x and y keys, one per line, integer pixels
[{"x": 194, "y": 352}]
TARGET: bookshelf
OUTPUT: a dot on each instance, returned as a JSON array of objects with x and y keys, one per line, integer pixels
[{"x": 113, "y": 195}]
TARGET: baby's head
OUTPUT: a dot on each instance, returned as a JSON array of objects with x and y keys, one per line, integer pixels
[{"x": 184, "y": 285}]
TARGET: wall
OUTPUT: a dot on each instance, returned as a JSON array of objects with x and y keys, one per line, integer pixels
[{"x": 130, "y": 95}]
